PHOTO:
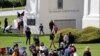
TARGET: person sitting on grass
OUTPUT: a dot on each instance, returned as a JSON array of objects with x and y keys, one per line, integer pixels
[
  {"x": 16, "y": 51},
  {"x": 61, "y": 49},
  {"x": 33, "y": 50},
  {"x": 43, "y": 50},
  {"x": 73, "y": 50},
  {"x": 8, "y": 29},
  {"x": 87, "y": 52},
  {"x": 52, "y": 53}
]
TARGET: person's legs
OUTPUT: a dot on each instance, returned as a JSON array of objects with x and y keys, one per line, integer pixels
[
  {"x": 42, "y": 32},
  {"x": 29, "y": 41},
  {"x": 26, "y": 40},
  {"x": 51, "y": 44}
]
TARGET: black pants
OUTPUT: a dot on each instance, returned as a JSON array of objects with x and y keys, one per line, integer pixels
[
  {"x": 34, "y": 54},
  {"x": 28, "y": 40},
  {"x": 41, "y": 31}
]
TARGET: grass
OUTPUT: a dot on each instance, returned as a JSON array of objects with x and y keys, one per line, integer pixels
[
  {"x": 10, "y": 19},
  {"x": 7, "y": 41},
  {"x": 9, "y": 9}
]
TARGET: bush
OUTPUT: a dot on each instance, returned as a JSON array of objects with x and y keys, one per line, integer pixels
[
  {"x": 66, "y": 31},
  {"x": 89, "y": 34},
  {"x": 89, "y": 30},
  {"x": 86, "y": 35}
]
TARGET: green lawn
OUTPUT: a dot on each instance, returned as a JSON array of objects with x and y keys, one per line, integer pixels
[
  {"x": 7, "y": 41},
  {"x": 10, "y": 19},
  {"x": 9, "y": 9}
]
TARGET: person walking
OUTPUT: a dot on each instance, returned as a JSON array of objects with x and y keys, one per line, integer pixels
[
  {"x": 52, "y": 40},
  {"x": 51, "y": 25},
  {"x": 28, "y": 35},
  {"x": 41, "y": 29}
]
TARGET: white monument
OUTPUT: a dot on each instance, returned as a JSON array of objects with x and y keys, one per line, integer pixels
[
  {"x": 91, "y": 13},
  {"x": 31, "y": 16}
]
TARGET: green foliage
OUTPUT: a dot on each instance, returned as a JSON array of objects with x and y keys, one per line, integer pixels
[
  {"x": 66, "y": 31},
  {"x": 86, "y": 35},
  {"x": 89, "y": 34},
  {"x": 89, "y": 30},
  {"x": 11, "y": 3}
]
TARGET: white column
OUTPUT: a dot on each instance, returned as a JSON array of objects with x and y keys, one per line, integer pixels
[
  {"x": 31, "y": 13},
  {"x": 31, "y": 6},
  {"x": 91, "y": 13}
]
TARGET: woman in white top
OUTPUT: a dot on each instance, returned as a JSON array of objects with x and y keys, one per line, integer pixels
[
  {"x": 66, "y": 39},
  {"x": 43, "y": 49}
]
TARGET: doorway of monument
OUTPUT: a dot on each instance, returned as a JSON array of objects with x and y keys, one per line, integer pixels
[{"x": 65, "y": 23}]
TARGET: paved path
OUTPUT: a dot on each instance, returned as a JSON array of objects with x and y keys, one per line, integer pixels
[{"x": 8, "y": 13}]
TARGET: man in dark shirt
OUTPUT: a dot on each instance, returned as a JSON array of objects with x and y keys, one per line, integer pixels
[
  {"x": 28, "y": 35},
  {"x": 51, "y": 24},
  {"x": 5, "y": 24},
  {"x": 87, "y": 52},
  {"x": 71, "y": 38},
  {"x": 60, "y": 39},
  {"x": 41, "y": 29}
]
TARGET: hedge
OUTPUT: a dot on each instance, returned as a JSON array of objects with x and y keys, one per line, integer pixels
[{"x": 86, "y": 35}]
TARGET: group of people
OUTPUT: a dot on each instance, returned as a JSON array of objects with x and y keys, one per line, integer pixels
[
  {"x": 67, "y": 39},
  {"x": 16, "y": 51},
  {"x": 63, "y": 50},
  {"x": 66, "y": 47},
  {"x": 20, "y": 24}
]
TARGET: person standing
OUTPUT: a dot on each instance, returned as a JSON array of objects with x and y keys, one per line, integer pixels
[
  {"x": 60, "y": 39},
  {"x": 33, "y": 50},
  {"x": 5, "y": 24},
  {"x": 51, "y": 25},
  {"x": 71, "y": 38},
  {"x": 41, "y": 29},
  {"x": 66, "y": 39},
  {"x": 28, "y": 35}
]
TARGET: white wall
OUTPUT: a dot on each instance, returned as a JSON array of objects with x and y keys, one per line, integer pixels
[
  {"x": 91, "y": 13},
  {"x": 72, "y": 9}
]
